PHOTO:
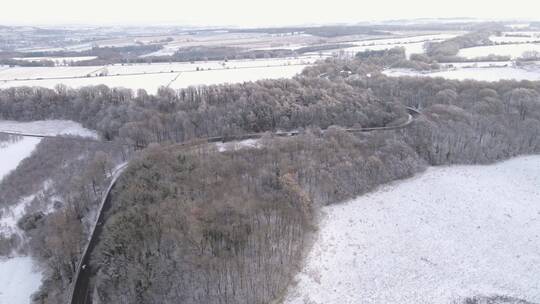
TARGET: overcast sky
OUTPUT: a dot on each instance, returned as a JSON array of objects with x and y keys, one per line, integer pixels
[{"x": 253, "y": 12}]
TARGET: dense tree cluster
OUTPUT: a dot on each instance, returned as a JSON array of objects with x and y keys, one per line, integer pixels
[
  {"x": 228, "y": 227},
  {"x": 223, "y": 110},
  {"x": 446, "y": 51}
]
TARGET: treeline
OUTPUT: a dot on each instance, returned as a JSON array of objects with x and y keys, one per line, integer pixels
[
  {"x": 221, "y": 110},
  {"x": 446, "y": 51},
  {"x": 321, "y": 31},
  {"x": 396, "y": 58},
  {"x": 27, "y": 63}
]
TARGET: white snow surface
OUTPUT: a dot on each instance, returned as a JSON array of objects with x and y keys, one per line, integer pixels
[
  {"x": 152, "y": 76},
  {"x": 237, "y": 145},
  {"x": 18, "y": 280},
  {"x": 481, "y": 73},
  {"x": 235, "y": 75},
  {"x": 512, "y": 50},
  {"x": 47, "y": 127},
  {"x": 10, "y": 217},
  {"x": 450, "y": 233},
  {"x": 11, "y": 154}
]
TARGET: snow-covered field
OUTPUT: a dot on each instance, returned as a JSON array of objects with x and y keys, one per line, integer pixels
[
  {"x": 405, "y": 40},
  {"x": 213, "y": 72},
  {"x": 512, "y": 50},
  {"x": 450, "y": 233},
  {"x": 513, "y": 39},
  {"x": 149, "y": 82},
  {"x": 235, "y": 75},
  {"x": 45, "y": 72},
  {"x": 205, "y": 65},
  {"x": 12, "y": 153},
  {"x": 412, "y": 44},
  {"x": 18, "y": 280},
  {"x": 46, "y": 127},
  {"x": 482, "y": 74},
  {"x": 479, "y": 64}
]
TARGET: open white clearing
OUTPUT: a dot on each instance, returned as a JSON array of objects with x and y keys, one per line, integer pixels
[
  {"x": 449, "y": 233},
  {"x": 512, "y": 50},
  {"x": 12, "y": 153},
  {"x": 47, "y": 128},
  {"x": 18, "y": 280},
  {"x": 153, "y": 76},
  {"x": 479, "y": 73}
]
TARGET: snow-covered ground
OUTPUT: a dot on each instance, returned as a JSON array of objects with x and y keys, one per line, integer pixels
[
  {"x": 405, "y": 40},
  {"x": 118, "y": 69},
  {"x": 237, "y": 145},
  {"x": 18, "y": 280},
  {"x": 482, "y": 74},
  {"x": 478, "y": 64},
  {"x": 412, "y": 44},
  {"x": 235, "y": 75},
  {"x": 12, "y": 153},
  {"x": 45, "y": 72},
  {"x": 450, "y": 233},
  {"x": 513, "y": 39},
  {"x": 512, "y": 50},
  {"x": 152, "y": 76},
  {"x": 149, "y": 82},
  {"x": 47, "y": 127}
]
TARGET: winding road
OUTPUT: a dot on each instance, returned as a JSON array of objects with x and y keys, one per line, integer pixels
[{"x": 80, "y": 289}]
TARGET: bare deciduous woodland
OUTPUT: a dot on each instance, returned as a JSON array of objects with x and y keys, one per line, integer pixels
[{"x": 198, "y": 225}]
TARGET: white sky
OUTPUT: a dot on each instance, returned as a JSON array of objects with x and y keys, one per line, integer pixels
[{"x": 253, "y": 12}]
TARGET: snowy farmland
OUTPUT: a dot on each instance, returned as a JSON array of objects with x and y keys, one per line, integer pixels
[
  {"x": 450, "y": 233},
  {"x": 235, "y": 75},
  {"x": 512, "y": 50},
  {"x": 412, "y": 44},
  {"x": 20, "y": 73},
  {"x": 410, "y": 48},
  {"x": 46, "y": 127},
  {"x": 152, "y": 76},
  {"x": 475, "y": 73}
]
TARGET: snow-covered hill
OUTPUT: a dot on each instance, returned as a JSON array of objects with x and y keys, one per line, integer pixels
[{"x": 450, "y": 233}]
